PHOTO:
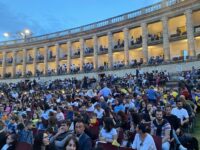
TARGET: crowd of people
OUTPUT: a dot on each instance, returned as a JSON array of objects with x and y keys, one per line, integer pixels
[
  {"x": 136, "y": 63},
  {"x": 9, "y": 60},
  {"x": 77, "y": 52},
  {"x": 39, "y": 56},
  {"x": 74, "y": 68},
  {"x": 153, "y": 37},
  {"x": 62, "y": 69},
  {"x": 120, "y": 44},
  {"x": 88, "y": 67},
  {"x": 89, "y": 50},
  {"x": 156, "y": 60},
  {"x": 118, "y": 64},
  {"x": 136, "y": 41},
  {"x": 130, "y": 112},
  {"x": 103, "y": 49}
]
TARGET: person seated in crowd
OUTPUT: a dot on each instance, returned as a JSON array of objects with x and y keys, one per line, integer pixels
[
  {"x": 175, "y": 125},
  {"x": 12, "y": 125},
  {"x": 3, "y": 134},
  {"x": 84, "y": 141},
  {"x": 60, "y": 138},
  {"x": 71, "y": 143},
  {"x": 30, "y": 58},
  {"x": 25, "y": 134},
  {"x": 44, "y": 108},
  {"x": 59, "y": 115},
  {"x": 161, "y": 127},
  {"x": 11, "y": 142},
  {"x": 148, "y": 114},
  {"x": 132, "y": 40},
  {"x": 41, "y": 142},
  {"x": 143, "y": 140},
  {"x": 99, "y": 112},
  {"x": 152, "y": 95},
  {"x": 181, "y": 113},
  {"x": 122, "y": 121},
  {"x": 108, "y": 133}
]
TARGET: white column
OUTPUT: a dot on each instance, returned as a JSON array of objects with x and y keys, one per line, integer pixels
[
  {"x": 57, "y": 56},
  {"x": 95, "y": 59},
  {"x": 190, "y": 33},
  {"x": 14, "y": 64},
  {"x": 24, "y": 62},
  {"x": 69, "y": 48},
  {"x": 145, "y": 41},
  {"x": 110, "y": 55},
  {"x": 166, "y": 44},
  {"x": 34, "y": 60},
  {"x": 81, "y": 53},
  {"x": 126, "y": 50},
  {"x": 4, "y": 64},
  {"x": 45, "y": 59}
]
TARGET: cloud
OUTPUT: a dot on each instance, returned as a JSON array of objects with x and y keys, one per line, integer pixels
[{"x": 13, "y": 22}]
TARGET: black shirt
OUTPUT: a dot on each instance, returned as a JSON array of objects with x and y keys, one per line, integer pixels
[{"x": 174, "y": 121}]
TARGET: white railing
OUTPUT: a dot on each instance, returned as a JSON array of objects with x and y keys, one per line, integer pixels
[{"x": 130, "y": 15}]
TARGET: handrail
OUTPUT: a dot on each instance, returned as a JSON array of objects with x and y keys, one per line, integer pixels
[{"x": 120, "y": 18}]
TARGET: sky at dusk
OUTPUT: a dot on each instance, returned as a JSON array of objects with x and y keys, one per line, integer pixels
[{"x": 47, "y": 16}]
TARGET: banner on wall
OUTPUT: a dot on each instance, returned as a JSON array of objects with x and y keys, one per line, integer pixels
[{"x": 185, "y": 54}]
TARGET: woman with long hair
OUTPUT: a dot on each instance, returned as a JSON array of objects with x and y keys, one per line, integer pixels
[
  {"x": 108, "y": 133},
  {"x": 41, "y": 142},
  {"x": 143, "y": 140},
  {"x": 11, "y": 142},
  {"x": 122, "y": 121},
  {"x": 71, "y": 143}
]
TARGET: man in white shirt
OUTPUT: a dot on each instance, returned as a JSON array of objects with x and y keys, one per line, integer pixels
[
  {"x": 98, "y": 111},
  {"x": 181, "y": 113},
  {"x": 60, "y": 116},
  {"x": 110, "y": 99}
]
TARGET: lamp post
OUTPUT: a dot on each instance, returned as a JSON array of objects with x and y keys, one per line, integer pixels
[{"x": 24, "y": 35}]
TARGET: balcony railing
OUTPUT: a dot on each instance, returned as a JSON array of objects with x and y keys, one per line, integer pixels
[{"x": 120, "y": 18}]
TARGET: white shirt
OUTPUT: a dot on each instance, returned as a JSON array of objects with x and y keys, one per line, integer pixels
[
  {"x": 147, "y": 144},
  {"x": 90, "y": 109},
  {"x": 180, "y": 113},
  {"x": 110, "y": 100},
  {"x": 99, "y": 113},
  {"x": 60, "y": 116},
  {"x": 108, "y": 136},
  {"x": 5, "y": 147}
]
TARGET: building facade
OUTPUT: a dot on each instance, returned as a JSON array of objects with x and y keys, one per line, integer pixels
[{"x": 166, "y": 32}]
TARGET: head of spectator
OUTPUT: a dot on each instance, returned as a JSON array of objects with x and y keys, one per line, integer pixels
[
  {"x": 149, "y": 107},
  {"x": 71, "y": 143},
  {"x": 179, "y": 104},
  {"x": 108, "y": 133},
  {"x": 108, "y": 124},
  {"x": 64, "y": 127},
  {"x": 168, "y": 110},
  {"x": 159, "y": 115},
  {"x": 11, "y": 142},
  {"x": 80, "y": 127},
  {"x": 141, "y": 129},
  {"x": 41, "y": 141},
  {"x": 182, "y": 99},
  {"x": 98, "y": 107}
]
